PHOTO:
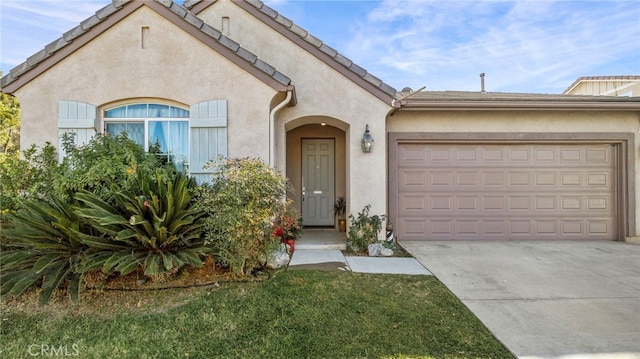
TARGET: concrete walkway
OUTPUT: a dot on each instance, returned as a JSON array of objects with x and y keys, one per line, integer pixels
[
  {"x": 334, "y": 259},
  {"x": 546, "y": 299}
]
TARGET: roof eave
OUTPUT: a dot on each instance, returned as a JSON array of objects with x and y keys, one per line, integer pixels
[
  {"x": 24, "y": 73},
  {"x": 338, "y": 63},
  {"x": 197, "y": 6},
  {"x": 518, "y": 105},
  {"x": 268, "y": 78},
  {"x": 73, "y": 44}
]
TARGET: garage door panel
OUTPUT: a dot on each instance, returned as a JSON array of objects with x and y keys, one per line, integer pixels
[
  {"x": 473, "y": 179},
  {"x": 510, "y": 191},
  {"x": 463, "y": 229},
  {"x": 508, "y": 205}
]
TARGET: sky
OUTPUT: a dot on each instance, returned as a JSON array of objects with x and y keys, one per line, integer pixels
[{"x": 533, "y": 46}]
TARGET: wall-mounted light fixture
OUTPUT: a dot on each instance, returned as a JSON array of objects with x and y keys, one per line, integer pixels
[{"x": 367, "y": 141}]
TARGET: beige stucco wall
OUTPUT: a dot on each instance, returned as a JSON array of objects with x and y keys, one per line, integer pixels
[
  {"x": 322, "y": 93},
  {"x": 525, "y": 122},
  {"x": 175, "y": 67}
]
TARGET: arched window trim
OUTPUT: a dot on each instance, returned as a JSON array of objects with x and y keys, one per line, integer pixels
[{"x": 144, "y": 110}]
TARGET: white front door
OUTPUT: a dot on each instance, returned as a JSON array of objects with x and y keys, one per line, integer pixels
[{"x": 318, "y": 184}]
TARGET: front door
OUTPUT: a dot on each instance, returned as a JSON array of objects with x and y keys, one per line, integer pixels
[{"x": 318, "y": 185}]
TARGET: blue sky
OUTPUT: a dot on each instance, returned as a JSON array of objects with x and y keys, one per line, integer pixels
[{"x": 538, "y": 46}]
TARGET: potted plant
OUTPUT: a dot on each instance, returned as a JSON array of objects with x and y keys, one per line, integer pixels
[
  {"x": 287, "y": 227},
  {"x": 340, "y": 209},
  {"x": 364, "y": 229}
]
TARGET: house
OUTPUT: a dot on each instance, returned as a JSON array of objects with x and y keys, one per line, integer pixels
[
  {"x": 605, "y": 86},
  {"x": 236, "y": 78}
]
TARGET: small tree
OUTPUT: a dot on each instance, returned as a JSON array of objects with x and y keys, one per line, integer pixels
[
  {"x": 9, "y": 125},
  {"x": 244, "y": 200},
  {"x": 99, "y": 163},
  {"x": 27, "y": 178}
]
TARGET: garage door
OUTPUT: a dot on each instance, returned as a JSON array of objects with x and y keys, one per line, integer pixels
[{"x": 536, "y": 191}]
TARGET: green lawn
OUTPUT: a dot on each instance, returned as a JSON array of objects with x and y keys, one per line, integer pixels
[{"x": 295, "y": 314}]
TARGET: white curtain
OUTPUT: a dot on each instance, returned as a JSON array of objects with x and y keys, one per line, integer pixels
[
  {"x": 135, "y": 131},
  {"x": 173, "y": 138}
]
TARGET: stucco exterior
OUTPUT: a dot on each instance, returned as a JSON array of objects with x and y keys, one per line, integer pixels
[
  {"x": 282, "y": 85},
  {"x": 184, "y": 72},
  {"x": 323, "y": 96}
]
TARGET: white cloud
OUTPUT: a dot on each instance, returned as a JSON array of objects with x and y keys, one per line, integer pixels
[
  {"x": 33, "y": 24},
  {"x": 522, "y": 46}
]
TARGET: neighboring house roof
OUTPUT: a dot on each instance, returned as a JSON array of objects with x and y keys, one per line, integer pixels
[
  {"x": 632, "y": 79},
  {"x": 310, "y": 43},
  {"x": 467, "y": 100},
  {"x": 111, "y": 14}
]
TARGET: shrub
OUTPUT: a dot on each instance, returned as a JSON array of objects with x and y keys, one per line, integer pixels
[
  {"x": 242, "y": 203},
  {"x": 364, "y": 229},
  {"x": 103, "y": 161},
  {"x": 27, "y": 178},
  {"x": 152, "y": 225},
  {"x": 108, "y": 207},
  {"x": 42, "y": 246},
  {"x": 92, "y": 167}
]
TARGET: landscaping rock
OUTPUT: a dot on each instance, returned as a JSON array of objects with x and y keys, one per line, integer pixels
[
  {"x": 375, "y": 249},
  {"x": 379, "y": 250},
  {"x": 386, "y": 252},
  {"x": 279, "y": 258}
]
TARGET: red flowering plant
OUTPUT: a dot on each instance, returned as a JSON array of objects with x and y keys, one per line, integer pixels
[{"x": 287, "y": 225}]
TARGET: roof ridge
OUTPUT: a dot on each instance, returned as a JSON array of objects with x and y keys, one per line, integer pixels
[
  {"x": 68, "y": 37},
  {"x": 333, "y": 54}
]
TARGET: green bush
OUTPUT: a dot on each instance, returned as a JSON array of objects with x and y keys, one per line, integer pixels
[
  {"x": 27, "y": 178},
  {"x": 245, "y": 198},
  {"x": 364, "y": 229},
  {"x": 151, "y": 225},
  {"x": 42, "y": 245},
  {"x": 103, "y": 161},
  {"x": 92, "y": 167},
  {"x": 109, "y": 207}
]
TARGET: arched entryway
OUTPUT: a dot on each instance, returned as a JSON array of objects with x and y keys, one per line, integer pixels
[{"x": 316, "y": 169}]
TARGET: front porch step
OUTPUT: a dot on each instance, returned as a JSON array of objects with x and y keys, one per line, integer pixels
[
  {"x": 327, "y": 239},
  {"x": 325, "y": 246}
]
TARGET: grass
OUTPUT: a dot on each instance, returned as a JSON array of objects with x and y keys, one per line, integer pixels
[{"x": 296, "y": 314}]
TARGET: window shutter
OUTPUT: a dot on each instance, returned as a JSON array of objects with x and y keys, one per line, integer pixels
[
  {"x": 78, "y": 118},
  {"x": 208, "y": 130}
]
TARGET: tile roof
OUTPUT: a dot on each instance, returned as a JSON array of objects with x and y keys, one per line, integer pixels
[
  {"x": 467, "y": 100},
  {"x": 110, "y": 14},
  {"x": 310, "y": 43}
]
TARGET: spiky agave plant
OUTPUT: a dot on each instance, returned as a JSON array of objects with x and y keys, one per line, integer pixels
[
  {"x": 42, "y": 246},
  {"x": 152, "y": 225}
]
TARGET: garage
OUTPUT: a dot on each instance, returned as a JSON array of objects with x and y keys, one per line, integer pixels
[{"x": 508, "y": 190}]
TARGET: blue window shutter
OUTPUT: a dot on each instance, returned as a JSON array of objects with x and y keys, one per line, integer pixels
[
  {"x": 78, "y": 118},
  {"x": 208, "y": 131}
]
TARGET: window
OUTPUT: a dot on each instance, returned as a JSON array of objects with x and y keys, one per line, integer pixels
[{"x": 160, "y": 127}]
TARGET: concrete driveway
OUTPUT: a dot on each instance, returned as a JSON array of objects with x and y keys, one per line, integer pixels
[{"x": 546, "y": 299}]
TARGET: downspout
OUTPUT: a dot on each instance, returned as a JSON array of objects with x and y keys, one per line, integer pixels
[{"x": 272, "y": 128}]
